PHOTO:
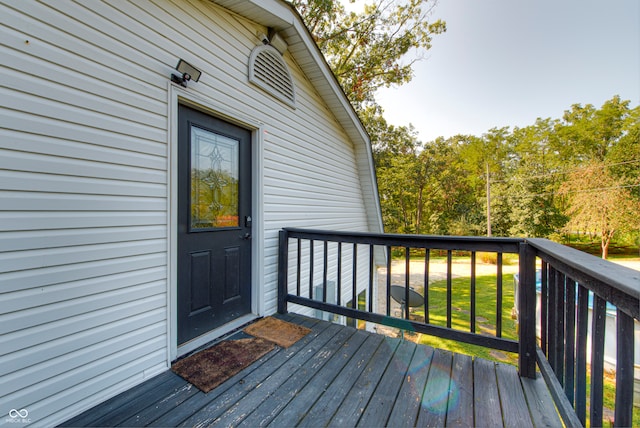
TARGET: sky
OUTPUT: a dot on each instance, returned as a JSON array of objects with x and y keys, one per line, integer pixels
[{"x": 508, "y": 62}]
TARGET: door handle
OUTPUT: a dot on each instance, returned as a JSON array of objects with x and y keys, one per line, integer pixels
[{"x": 246, "y": 236}]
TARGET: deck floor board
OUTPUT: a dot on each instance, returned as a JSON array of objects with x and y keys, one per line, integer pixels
[
  {"x": 306, "y": 397},
  {"x": 272, "y": 385},
  {"x": 355, "y": 401},
  {"x": 487, "y": 406},
  {"x": 407, "y": 405},
  {"x": 436, "y": 392},
  {"x": 340, "y": 376},
  {"x": 512, "y": 397},
  {"x": 539, "y": 402},
  {"x": 321, "y": 412},
  {"x": 381, "y": 404},
  {"x": 294, "y": 381},
  {"x": 460, "y": 408},
  {"x": 170, "y": 400}
]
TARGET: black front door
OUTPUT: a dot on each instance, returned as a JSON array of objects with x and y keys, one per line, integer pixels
[{"x": 214, "y": 223}]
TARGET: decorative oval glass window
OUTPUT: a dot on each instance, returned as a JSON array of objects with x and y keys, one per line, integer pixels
[{"x": 214, "y": 180}]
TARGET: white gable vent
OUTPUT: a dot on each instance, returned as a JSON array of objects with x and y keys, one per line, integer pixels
[{"x": 268, "y": 70}]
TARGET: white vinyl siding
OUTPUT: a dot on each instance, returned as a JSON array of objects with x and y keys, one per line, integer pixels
[
  {"x": 346, "y": 276},
  {"x": 83, "y": 185},
  {"x": 83, "y": 236}
]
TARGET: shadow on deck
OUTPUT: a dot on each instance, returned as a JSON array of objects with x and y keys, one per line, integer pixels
[{"x": 340, "y": 376}]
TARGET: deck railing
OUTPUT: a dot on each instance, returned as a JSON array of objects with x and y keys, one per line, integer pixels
[
  {"x": 326, "y": 271},
  {"x": 578, "y": 293}
]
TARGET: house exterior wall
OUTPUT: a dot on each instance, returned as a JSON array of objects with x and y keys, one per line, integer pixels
[
  {"x": 85, "y": 173},
  {"x": 316, "y": 279}
]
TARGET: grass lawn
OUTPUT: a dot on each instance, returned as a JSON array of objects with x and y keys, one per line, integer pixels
[{"x": 461, "y": 314}]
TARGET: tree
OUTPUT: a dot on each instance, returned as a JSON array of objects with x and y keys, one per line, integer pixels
[
  {"x": 599, "y": 203},
  {"x": 368, "y": 50},
  {"x": 388, "y": 140},
  {"x": 452, "y": 207},
  {"x": 589, "y": 133},
  {"x": 442, "y": 186},
  {"x": 401, "y": 187},
  {"x": 484, "y": 160},
  {"x": 625, "y": 155},
  {"x": 532, "y": 180},
  {"x": 401, "y": 176}
]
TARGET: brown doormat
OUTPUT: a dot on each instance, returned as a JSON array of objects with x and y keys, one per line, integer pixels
[
  {"x": 280, "y": 332},
  {"x": 209, "y": 368}
]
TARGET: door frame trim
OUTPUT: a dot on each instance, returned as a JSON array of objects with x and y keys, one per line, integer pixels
[{"x": 213, "y": 107}]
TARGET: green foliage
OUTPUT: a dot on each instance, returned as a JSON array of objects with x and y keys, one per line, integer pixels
[
  {"x": 367, "y": 49},
  {"x": 532, "y": 180},
  {"x": 599, "y": 203},
  {"x": 440, "y": 187},
  {"x": 485, "y": 313},
  {"x": 589, "y": 133}
]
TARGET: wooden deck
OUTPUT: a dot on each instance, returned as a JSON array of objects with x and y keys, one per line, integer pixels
[{"x": 340, "y": 376}]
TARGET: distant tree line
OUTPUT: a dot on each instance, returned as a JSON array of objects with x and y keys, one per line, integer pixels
[
  {"x": 577, "y": 174},
  {"x": 557, "y": 177}
]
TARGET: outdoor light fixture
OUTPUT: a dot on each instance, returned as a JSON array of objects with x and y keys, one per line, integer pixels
[{"x": 185, "y": 73}]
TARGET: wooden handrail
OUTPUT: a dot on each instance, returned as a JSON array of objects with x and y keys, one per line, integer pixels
[
  {"x": 618, "y": 285},
  {"x": 567, "y": 278}
]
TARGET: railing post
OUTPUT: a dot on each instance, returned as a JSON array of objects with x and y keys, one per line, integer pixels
[
  {"x": 527, "y": 312},
  {"x": 598, "y": 325},
  {"x": 283, "y": 270},
  {"x": 624, "y": 371}
]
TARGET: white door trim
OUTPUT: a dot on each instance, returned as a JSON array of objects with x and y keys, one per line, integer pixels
[{"x": 178, "y": 95}]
